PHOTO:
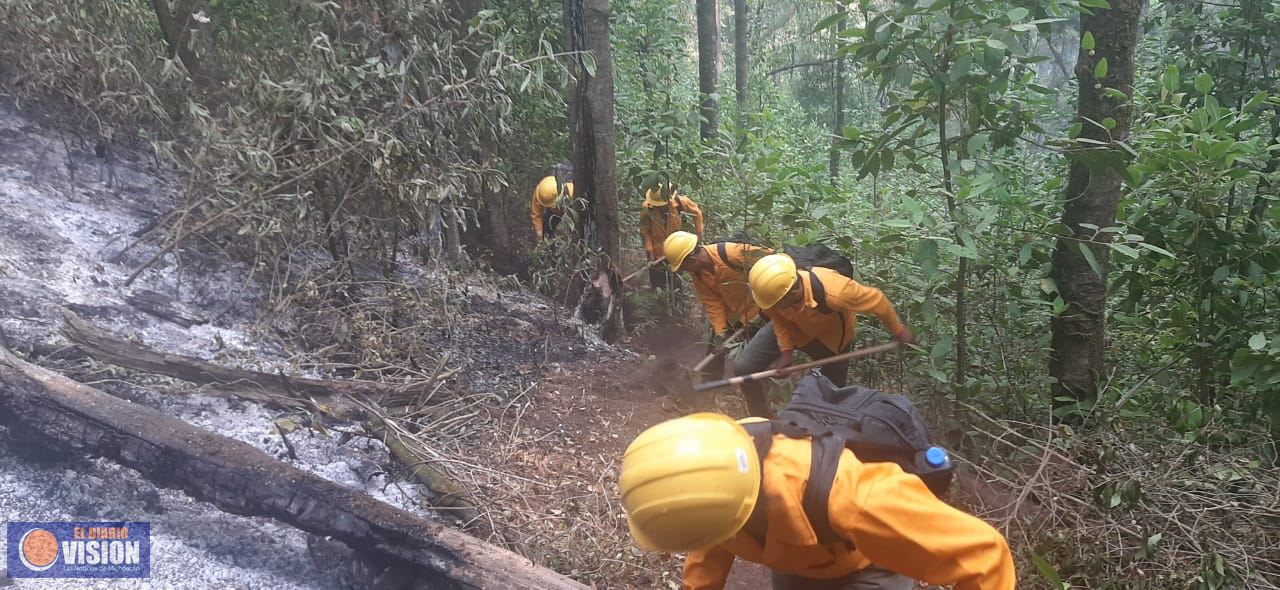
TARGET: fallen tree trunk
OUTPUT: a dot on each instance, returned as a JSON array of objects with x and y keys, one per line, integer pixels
[
  {"x": 449, "y": 494},
  {"x": 107, "y": 347},
  {"x": 240, "y": 479}
]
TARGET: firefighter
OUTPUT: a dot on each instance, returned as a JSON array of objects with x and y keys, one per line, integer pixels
[
  {"x": 812, "y": 310},
  {"x": 550, "y": 198},
  {"x": 665, "y": 212},
  {"x": 692, "y": 484},
  {"x": 718, "y": 272}
]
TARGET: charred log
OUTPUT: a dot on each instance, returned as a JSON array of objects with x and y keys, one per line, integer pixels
[{"x": 241, "y": 479}]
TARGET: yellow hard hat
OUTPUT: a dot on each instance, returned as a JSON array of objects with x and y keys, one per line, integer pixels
[
  {"x": 677, "y": 247},
  {"x": 689, "y": 483},
  {"x": 770, "y": 279},
  {"x": 547, "y": 191},
  {"x": 658, "y": 195}
]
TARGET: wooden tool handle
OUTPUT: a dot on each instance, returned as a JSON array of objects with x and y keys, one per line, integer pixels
[
  {"x": 706, "y": 361},
  {"x": 861, "y": 352}
]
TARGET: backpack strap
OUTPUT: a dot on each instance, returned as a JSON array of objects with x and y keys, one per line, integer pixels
[
  {"x": 758, "y": 523},
  {"x": 820, "y": 297},
  {"x": 723, "y": 250},
  {"x": 819, "y": 292},
  {"x": 823, "y": 464}
]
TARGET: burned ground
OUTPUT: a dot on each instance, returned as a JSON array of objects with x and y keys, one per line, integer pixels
[{"x": 535, "y": 410}]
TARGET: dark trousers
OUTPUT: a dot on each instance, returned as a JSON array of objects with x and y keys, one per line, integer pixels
[
  {"x": 872, "y": 578},
  {"x": 549, "y": 222},
  {"x": 762, "y": 351},
  {"x": 661, "y": 277}
]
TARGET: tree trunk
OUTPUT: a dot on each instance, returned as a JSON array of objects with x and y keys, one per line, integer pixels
[
  {"x": 740, "y": 57},
  {"x": 594, "y": 154},
  {"x": 496, "y": 231},
  {"x": 69, "y": 417},
  {"x": 1093, "y": 191},
  {"x": 174, "y": 27},
  {"x": 948, "y": 186},
  {"x": 106, "y": 347},
  {"x": 837, "y": 124},
  {"x": 708, "y": 63}
]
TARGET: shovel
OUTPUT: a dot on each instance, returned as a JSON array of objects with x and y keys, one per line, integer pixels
[{"x": 861, "y": 352}]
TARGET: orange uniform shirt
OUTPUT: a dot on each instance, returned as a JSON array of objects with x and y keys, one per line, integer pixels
[
  {"x": 656, "y": 223},
  {"x": 536, "y": 210},
  {"x": 891, "y": 519},
  {"x": 724, "y": 292},
  {"x": 800, "y": 324}
]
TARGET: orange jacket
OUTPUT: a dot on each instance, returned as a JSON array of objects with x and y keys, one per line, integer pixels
[
  {"x": 891, "y": 519},
  {"x": 800, "y": 324},
  {"x": 724, "y": 291},
  {"x": 656, "y": 223},
  {"x": 536, "y": 213}
]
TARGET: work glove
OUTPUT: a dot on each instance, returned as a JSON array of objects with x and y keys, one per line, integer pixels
[
  {"x": 717, "y": 341},
  {"x": 905, "y": 336}
]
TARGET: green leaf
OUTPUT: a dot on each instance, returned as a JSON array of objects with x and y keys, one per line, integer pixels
[
  {"x": 1255, "y": 102},
  {"x": 996, "y": 44},
  {"x": 1156, "y": 249},
  {"x": 927, "y": 256},
  {"x": 1204, "y": 83},
  {"x": 1126, "y": 250},
  {"x": 1018, "y": 14},
  {"x": 1025, "y": 254},
  {"x": 1171, "y": 79},
  {"x": 961, "y": 67},
  {"x": 1086, "y": 41},
  {"x": 1100, "y": 70},
  {"x": 1109, "y": 123},
  {"x": 1087, "y": 253},
  {"x": 1047, "y": 571},
  {"x": 1103, "y": 4},
  {"x": 977, "y": 142},
  {"x": 1258, "y": 341},
  {"x": 903, "y": 75},
  {"x": 830, "y": 20},
  {"x": 942, "y": 348},
  {"x": 589, "y": 64}
]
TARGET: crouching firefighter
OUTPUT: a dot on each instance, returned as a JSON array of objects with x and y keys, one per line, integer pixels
[
  {"x": 719, "y": 275},
  {"x": 550, "y": 198},
  {"x": 825, "y": 507},
  {"x": 814, "y": 310}
]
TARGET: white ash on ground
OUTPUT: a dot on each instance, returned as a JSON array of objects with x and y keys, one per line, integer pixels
[
  {"x": 57, "y": 241},
  {"x": 61, "y": 241}
]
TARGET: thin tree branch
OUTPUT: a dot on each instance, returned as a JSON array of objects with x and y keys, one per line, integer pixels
[{"x": 807, "y": 64}]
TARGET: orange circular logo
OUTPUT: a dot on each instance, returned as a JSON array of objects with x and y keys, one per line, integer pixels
[{"x": 39, "y": 549}]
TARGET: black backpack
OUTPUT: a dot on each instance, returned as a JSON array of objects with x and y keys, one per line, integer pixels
[
  {"x": 818, "y": 254},
  {"x": 563, "y": 172},
  {"x": 722, "y": 249},
  {"x": 875, "y": 425}
]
